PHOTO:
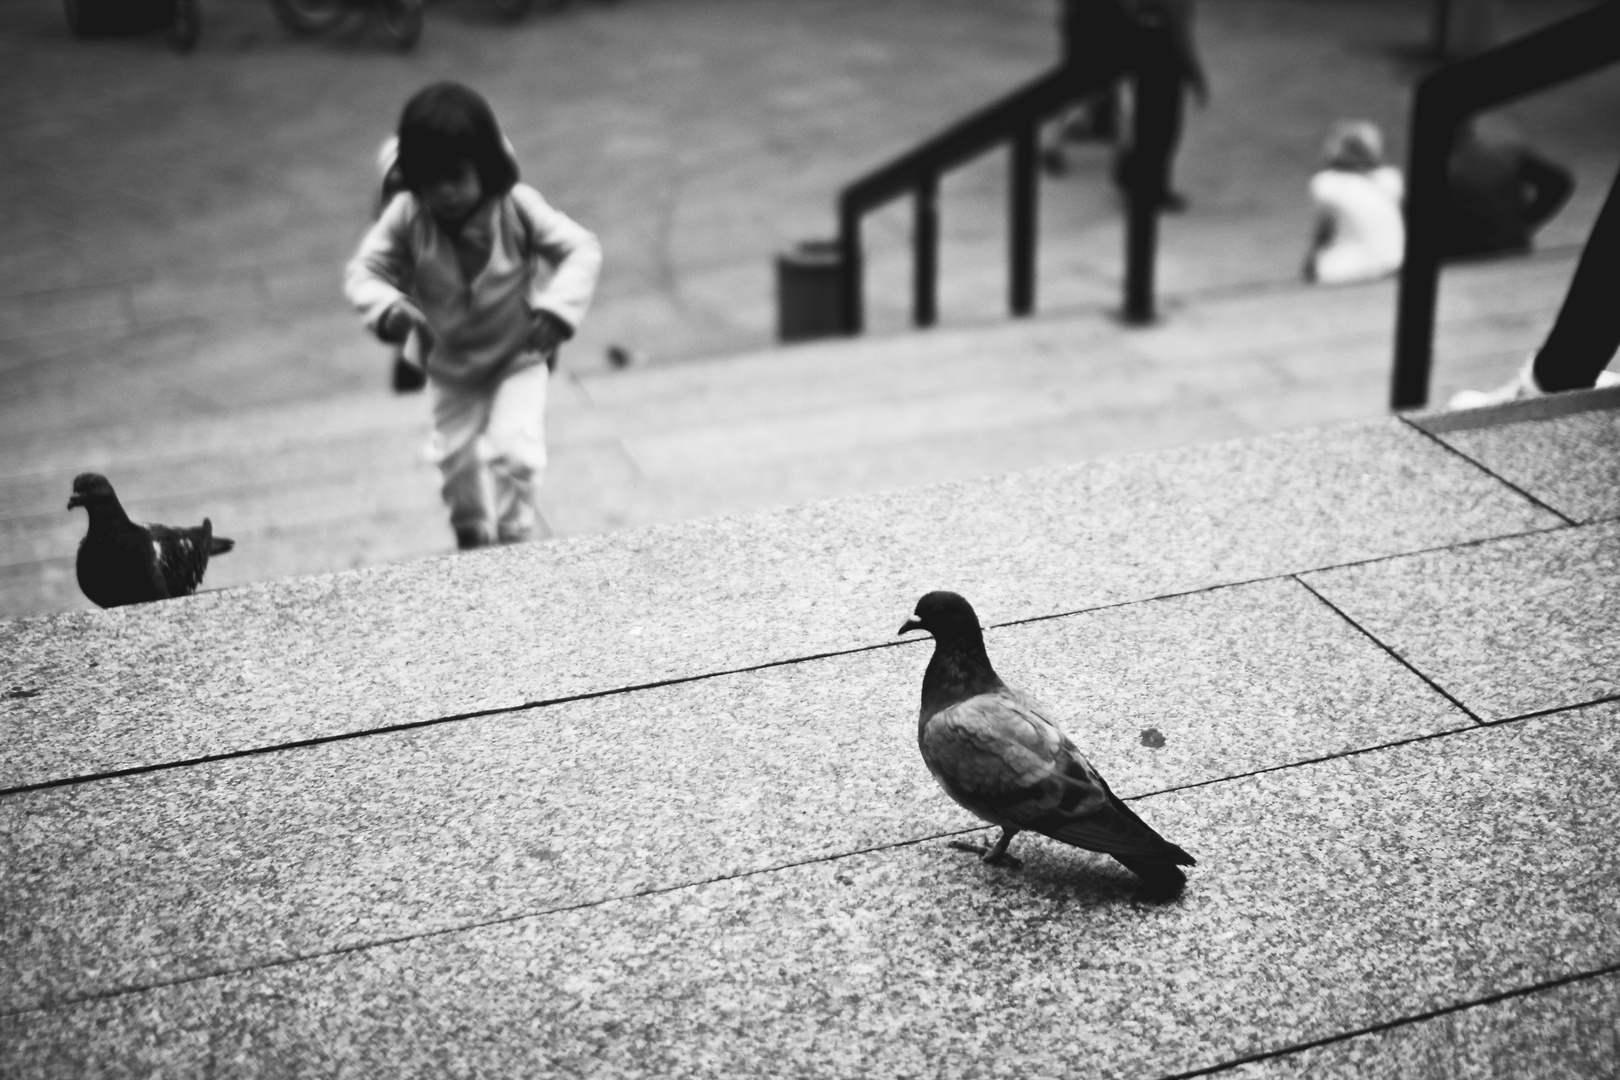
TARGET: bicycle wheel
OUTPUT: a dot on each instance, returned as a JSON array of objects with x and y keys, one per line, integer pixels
[
  {"x": 402, "y": 19},
  {"x": 310, "y": 16},
  {"x": 186, "y": 25}
]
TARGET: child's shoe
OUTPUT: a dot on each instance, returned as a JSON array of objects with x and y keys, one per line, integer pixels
[
  {"x": 469, "y": 537},
  {"x": 1519, "y": 388}
]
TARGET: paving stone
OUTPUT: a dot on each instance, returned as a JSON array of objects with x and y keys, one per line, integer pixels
[
  {"x": 269, "y": 857},
  {"x": 1328, "y": 898},
  {"x": 1571, "y": 462},
  {"x": 1508, "y": 627},
  {"x": 1565, "y": 1031}
]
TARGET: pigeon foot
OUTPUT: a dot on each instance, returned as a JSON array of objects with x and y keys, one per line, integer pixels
[{"x": 990, "y": 856}]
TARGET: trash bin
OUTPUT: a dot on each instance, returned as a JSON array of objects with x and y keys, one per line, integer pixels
[
  {"x": 96, "y": 17},
  {"x": 179, "y": 20},
  {"x": 810, "y": 291}
]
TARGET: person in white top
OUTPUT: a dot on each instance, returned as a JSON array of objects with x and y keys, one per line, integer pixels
[
  {"x": 1360, "y": 232},
  {"x": 455, "y": 263}
]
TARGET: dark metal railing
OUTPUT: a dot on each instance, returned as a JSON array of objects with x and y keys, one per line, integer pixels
[
  {"x": 1014, "y": 120},
  {"x": 1443, "y": 101}
]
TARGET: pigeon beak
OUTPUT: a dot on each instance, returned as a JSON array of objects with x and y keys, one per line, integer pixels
[
  {"x": 911, "y": 624},
  {"x": 75, "y": 500}
]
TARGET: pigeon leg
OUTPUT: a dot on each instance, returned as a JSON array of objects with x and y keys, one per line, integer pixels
[
  {"x": 992, "y": 856},
  {"x": 998, "y": 854}
]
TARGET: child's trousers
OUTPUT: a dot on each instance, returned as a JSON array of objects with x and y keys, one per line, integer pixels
[{"x": 490, "y": 445}]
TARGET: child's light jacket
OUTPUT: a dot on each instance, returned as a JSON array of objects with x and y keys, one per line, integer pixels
[{"x": 540, "y": 260}]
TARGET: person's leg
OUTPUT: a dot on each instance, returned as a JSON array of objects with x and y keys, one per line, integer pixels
[
  {"x": 1158, "y": 99},
  {"x": 1587, "y": 332},
  {"x": 460, "y": 416},
  {"x": 517, "y": 452}
]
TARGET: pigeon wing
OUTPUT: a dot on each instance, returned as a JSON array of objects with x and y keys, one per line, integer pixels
[
  {"x": 993, "y": 752},
  {"x": 999, "y": 756},
  {"x": 181, "y": 555}
]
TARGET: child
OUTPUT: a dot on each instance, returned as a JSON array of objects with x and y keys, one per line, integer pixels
[
  {"x": 452, "y": 261},
  {"x": 1360, "y": 233}
]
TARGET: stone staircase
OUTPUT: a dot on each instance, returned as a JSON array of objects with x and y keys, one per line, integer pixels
[
  {"x": 310, "y": 486},
  {"x": 649, "y": 804}
]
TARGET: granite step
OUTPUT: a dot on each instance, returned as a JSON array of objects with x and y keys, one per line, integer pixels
[
  {"x": 745, "y": 433},
  {"x": 650, "y": 803}
]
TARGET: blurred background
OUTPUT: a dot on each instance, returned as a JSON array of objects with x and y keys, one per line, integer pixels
[{"x": 176, "y": 223}]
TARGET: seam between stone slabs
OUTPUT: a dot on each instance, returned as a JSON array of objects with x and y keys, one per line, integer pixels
[
  {"x": 1604, "y": 700},
  {"x": 1397, "y": 657},
  {"x": 477, "y": 924},
  {"x": 677, "y": 680},
  {"x": 658, "y": 890},
  {"x": 1416, "y": 1018},
  {"x": 412, "y": 725},
  {"x": 1510, "y": 485}
]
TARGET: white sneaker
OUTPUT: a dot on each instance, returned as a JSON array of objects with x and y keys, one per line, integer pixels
[{"x": 1520, "y": 387}]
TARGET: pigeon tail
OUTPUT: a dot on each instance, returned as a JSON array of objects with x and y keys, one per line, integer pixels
[
  {"x": 217, "y": 545},
  {"x": 1159, "y": 875},
  {"x": 1173, "y": 854}
]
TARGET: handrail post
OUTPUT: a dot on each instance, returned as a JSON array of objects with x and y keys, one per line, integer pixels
[
  {"x": 849, "y": 249},
  {"x": 925, "y": 253},
  {"x": 1025, "y": 180},
  {"x": 1142, "y": 196},
  {"x": 1433, "y": 128},
  {"x": 1141, "y": 237},
  {"x": 1554, "y": 54}
]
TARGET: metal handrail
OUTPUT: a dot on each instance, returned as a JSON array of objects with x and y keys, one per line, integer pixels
[
  {"x": 1015, "y": 119},
  {"x": 1441, "y": 103}
]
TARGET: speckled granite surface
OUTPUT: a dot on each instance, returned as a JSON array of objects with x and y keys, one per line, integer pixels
[
  {"x": 1509, "y": 627},
  {"x": 270, "y": 664},
  {"x": 1329, "y": 896},
  {"x": 1571, "y": 463},
  {"x": 177, "y": 873},
  {"x": 1567, "y": 1032}
]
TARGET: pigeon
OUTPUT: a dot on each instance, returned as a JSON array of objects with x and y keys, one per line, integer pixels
[
  {"x": 121, "y": 562},
  {"x": 1001, "y": 757}
]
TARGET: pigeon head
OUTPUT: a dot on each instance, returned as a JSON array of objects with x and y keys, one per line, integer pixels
[
  {"x": 92, "y": 491},
  {"x": 946, "y": 615},
  {"x": 959, "y": 668}
]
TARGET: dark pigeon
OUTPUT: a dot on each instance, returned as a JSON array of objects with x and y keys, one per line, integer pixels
[
  {"x": 996, "y": 753},
  {"x": 121, "y": 562}
]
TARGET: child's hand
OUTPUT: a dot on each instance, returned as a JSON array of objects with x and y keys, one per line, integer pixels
[
  {"x": 398, "y": 321},
  {"x": 547, "y": 333}
]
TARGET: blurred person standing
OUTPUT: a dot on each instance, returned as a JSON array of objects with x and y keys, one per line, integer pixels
[
  {"x": 1105, "y": 41},
  {"x": 1167, "y": 67},
  {"x": 454, "y": 260}
]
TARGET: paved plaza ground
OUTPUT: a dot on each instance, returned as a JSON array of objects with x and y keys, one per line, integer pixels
[{"x": 176, "y": 226}]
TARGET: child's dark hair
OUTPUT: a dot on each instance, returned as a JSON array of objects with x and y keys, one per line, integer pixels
[{"x": 444, "y": 125}]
